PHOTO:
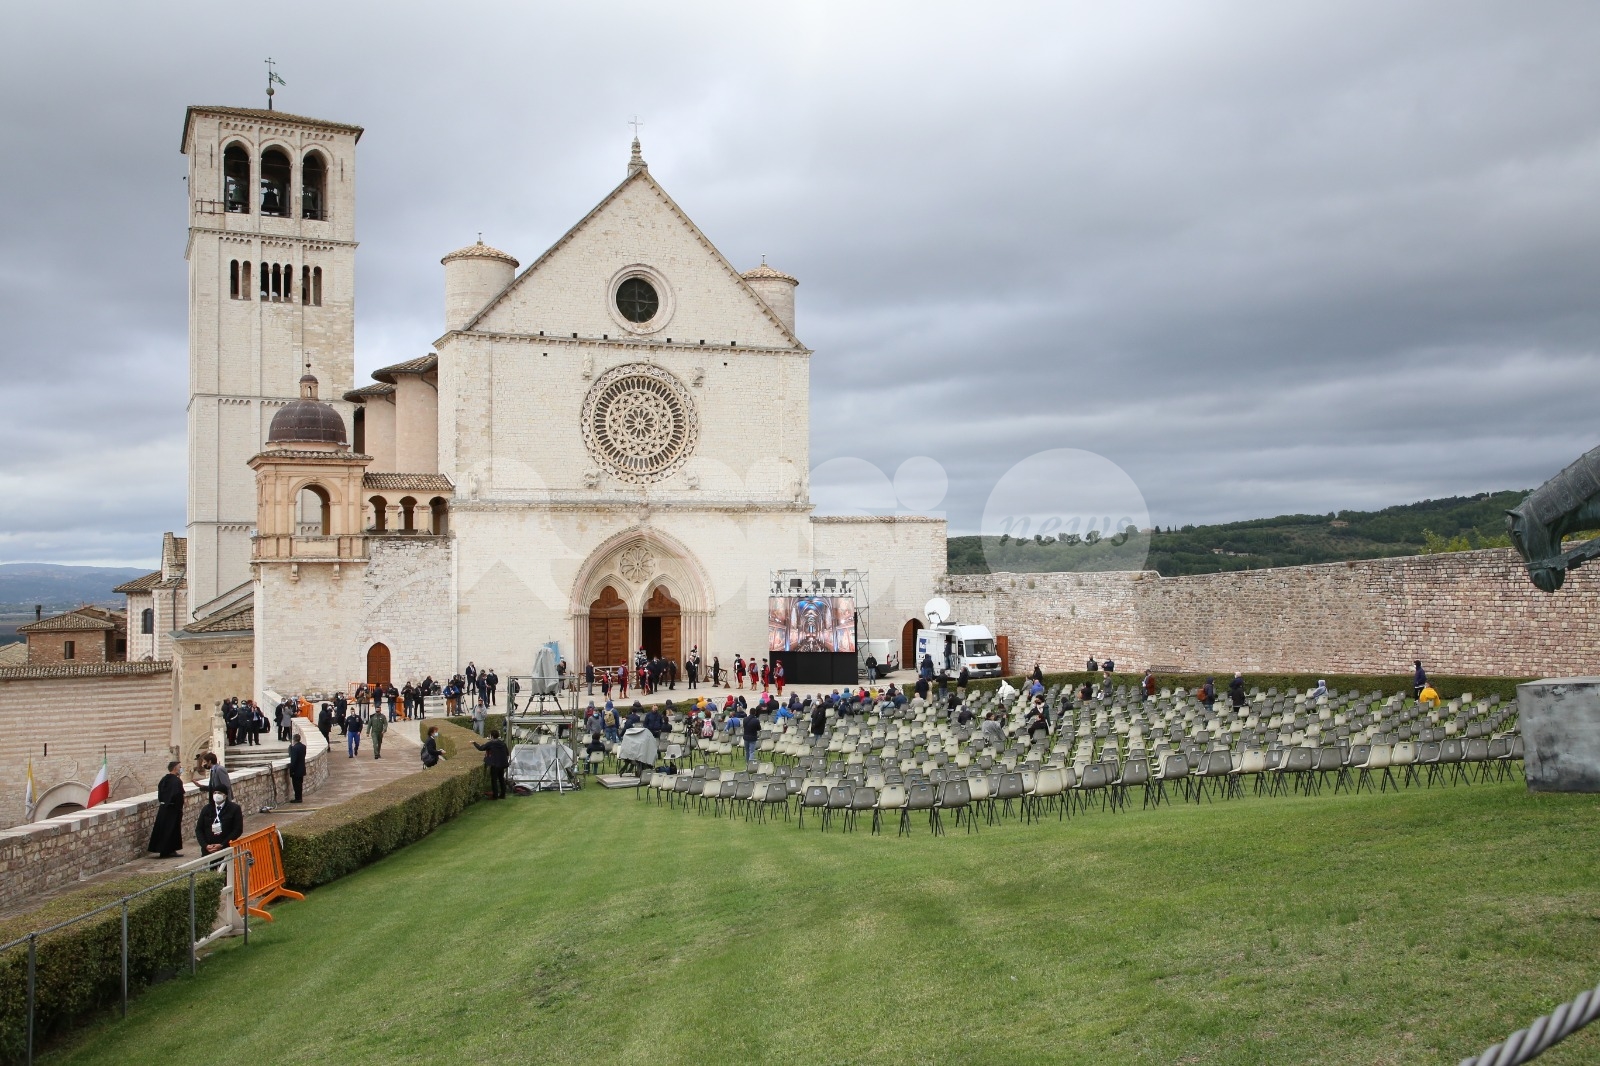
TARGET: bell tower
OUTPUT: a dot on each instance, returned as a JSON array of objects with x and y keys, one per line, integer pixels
[{"x": 271, "y": 256}]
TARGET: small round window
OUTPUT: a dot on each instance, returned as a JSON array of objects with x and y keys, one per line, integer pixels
[{"x": 637, "y": 300}]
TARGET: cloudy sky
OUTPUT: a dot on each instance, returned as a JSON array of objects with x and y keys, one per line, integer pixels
[{"x": 1262, "y": 257}]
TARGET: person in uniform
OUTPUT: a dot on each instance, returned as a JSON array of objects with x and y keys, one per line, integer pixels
[
  {"x": 375, "y": 727},
  {"x": 166, "y": 838},
  {"x": 221, "y": 823}
]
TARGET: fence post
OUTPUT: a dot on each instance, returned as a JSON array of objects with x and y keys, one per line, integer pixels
[
  {"x": 193, "y": 954},
  {"x": 124, "y": 956},
  {"x": 32, "y": 939},
  {"x": 244, "y": 884}
]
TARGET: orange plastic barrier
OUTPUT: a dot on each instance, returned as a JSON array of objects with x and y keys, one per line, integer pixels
[{"x": 266, "y": 874}]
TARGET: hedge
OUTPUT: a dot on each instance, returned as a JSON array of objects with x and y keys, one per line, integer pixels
[
  {"x": 79, "y": 969},
  {"x": 1388, "y": 684},
  {"x": 493, "y": 721},
  {"x": 340, "y": 839}
]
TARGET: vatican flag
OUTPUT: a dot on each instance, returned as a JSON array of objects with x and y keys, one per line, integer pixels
[
  {"x": 100, "y": 791},
  {"x": 30, "y": 798}
]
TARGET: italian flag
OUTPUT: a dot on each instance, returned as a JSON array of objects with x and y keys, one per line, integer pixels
[{"x": 101, "y": 790}]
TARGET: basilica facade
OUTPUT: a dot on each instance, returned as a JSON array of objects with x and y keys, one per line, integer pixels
[{"x": 606, "y": 449}]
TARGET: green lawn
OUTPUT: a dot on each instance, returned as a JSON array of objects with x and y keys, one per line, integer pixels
[{"x": 596, "y": 929}]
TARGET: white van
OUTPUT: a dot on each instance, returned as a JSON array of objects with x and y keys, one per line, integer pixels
[{"x": 954, "y": 646}]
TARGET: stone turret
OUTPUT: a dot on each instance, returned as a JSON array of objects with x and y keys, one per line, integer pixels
[
  {"x": 776, "y": 288},
  {"x": 473, "y": 276}
]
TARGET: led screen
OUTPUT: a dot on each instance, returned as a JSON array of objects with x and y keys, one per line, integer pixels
[{"x": 811, "y": 623}]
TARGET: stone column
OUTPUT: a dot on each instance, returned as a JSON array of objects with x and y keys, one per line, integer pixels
[{"x": 1560, "y": 722}]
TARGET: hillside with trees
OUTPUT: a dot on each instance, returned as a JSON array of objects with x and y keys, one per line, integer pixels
[{"x": 1459, "y": 523}]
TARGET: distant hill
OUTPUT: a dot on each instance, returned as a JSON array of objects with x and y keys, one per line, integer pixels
[
  {"x": 1455, "y": 524},
  {"x": 59, "y": 588}
]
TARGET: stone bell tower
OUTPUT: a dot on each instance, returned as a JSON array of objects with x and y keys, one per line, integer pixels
[{"x": 271, "y": 258}]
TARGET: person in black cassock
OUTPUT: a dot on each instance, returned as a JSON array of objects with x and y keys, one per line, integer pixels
[
  {"x": 221, "y": 822},
  {"x": 297, "y": 765},
  {"x": 166, "y": 838}
]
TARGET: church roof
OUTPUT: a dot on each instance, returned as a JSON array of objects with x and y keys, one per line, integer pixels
[
  {"x": 424, "y": 365},
  {"x": 80, "y": 620},
  {"x": 140, "y": 584},
  {"x": 409, "y": 482},
  {"x": 636, "y": 172},
  {"x": 260, "y": 114},
  {"x": 361, "y": 395},
  {"x": 237, "y": 619},
  {"x": 481, "y": 251},
  {"x": 38, "y": 671},
  {"x": 764, "y": 271}
]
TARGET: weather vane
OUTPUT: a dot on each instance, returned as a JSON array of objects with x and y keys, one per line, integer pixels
[{"x": 272, "y": 79}]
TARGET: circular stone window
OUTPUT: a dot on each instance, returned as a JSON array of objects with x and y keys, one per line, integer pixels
[
  {"x": 639, "y": 422},
  {"x": 637, "y": 300}
]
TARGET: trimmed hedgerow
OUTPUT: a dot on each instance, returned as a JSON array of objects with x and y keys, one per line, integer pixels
[
  {"x": 79, "y": 969},
  {"x": 1388, "y": 684},
  {"x": 344, "y": 837},
  {"x": 493, "y": 721}
]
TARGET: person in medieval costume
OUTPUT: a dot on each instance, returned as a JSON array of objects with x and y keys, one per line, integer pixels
[{"x": 166, "y": 838}]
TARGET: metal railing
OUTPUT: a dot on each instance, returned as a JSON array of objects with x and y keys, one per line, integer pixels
[{"x": 222, "y": 859}]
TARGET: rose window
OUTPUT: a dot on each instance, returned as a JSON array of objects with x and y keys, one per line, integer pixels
[{"x": 639, "y": 422}]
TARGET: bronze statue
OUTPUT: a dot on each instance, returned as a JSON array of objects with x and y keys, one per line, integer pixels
[{"x": 1568, "y": 503}]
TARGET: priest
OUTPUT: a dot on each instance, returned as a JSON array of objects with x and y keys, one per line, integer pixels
[{"x": 166, "y": 838}]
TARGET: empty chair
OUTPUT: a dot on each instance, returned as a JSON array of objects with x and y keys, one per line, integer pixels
[
  {"x": 956, "y": 795},
  {"x": 920, "y": 797},
  {"x": 1010, "y": 787},
  {"x": 1174, "y": 767},
  {"x": 1403, "y": 755},
  {"x": 814, "y": 798}
]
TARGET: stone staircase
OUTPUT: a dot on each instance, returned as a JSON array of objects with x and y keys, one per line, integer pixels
[{"x": 244, "y": 756}]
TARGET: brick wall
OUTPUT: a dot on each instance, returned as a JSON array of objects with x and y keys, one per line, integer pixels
[
  {"x": 66, "y": 717},
  {"x": 58, "y": 851},
  {"x": 1470, "y": 613}
]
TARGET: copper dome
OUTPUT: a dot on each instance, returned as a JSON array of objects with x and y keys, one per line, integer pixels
[{"x": 307, "y": 419}]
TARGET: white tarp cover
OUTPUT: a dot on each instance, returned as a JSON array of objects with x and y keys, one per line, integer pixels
[
  {"x": 540, "y": 766},
  {"x": 638, "y": 745}
]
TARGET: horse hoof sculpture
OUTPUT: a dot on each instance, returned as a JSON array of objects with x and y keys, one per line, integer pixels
[{"x": 1568, "y": 503}]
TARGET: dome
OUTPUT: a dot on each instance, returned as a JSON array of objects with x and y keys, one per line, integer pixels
[
  {"x": 764, "y": 271},
  {"x": 307, "y": 420},
  {"x": 481, "y": 251}
]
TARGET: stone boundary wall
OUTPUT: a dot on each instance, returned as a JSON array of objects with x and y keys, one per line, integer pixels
[
  {"x": 42, "y": 856},
  {"x": 1462, "y": 613}
]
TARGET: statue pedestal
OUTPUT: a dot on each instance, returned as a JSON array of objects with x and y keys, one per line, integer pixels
[{"x": 1560, "y": 722}]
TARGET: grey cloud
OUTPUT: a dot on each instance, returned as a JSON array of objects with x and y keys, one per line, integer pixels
[{"x": 1264, "y": 257}]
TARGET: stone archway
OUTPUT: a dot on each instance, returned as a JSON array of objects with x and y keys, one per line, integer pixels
[
  {"x": 908, "y": 644},
  {"x": 378, "y": 665},
  {"x": 634, "y": 564},
  {"x": 64, "y": 798}
]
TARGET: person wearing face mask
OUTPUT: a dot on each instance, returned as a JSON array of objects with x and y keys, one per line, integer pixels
[{"x": 221, "y": 823}]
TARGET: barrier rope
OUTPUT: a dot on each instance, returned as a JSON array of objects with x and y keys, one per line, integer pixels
[{"x": 1527, "y": 1044}]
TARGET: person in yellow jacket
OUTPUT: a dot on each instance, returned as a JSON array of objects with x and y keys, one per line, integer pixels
[{"x": 1429, "y": 695}]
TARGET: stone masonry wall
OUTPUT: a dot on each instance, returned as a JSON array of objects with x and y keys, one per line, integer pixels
[
  {"x": 1468, "y": 613},
  {"x": 45, "y": 855}
]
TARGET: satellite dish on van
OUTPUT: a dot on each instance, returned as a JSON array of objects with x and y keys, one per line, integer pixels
[{"x": 937, "y": 610}]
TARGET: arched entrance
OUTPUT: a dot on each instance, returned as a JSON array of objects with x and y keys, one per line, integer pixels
[
  {"x": 608, "y": 629},
  {"x": 663, "y": 626},
  {"x": 378, "y": 665},
  {"x": 908, "y": 644}
]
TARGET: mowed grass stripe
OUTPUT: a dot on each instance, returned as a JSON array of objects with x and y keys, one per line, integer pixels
[{"x": 1374, "y": 929}]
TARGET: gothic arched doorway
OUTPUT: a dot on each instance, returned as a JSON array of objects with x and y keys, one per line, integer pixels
[
  {"x": 663, "y": 626},
  {"x": 608, "y": 629},
  {"x": 908, "y": 644},
  {"x": 378, "y": 665}
]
